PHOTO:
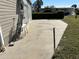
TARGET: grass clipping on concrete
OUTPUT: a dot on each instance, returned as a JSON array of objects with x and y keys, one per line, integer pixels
[{"x": 69, "y": 45}]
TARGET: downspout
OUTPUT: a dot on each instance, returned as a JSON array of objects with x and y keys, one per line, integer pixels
[
  {"x": 19, "y": 12},
  {"x": 2, "y": 45}
]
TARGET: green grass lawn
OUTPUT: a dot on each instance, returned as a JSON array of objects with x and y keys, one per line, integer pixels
[{"x": 69, "y": 45}]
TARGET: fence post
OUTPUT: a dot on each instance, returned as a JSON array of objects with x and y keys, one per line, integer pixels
[{"x": 54, "y": 38}]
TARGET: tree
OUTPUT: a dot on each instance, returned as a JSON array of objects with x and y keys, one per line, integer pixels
[
  {"x": 37, "y": 5},
  {"x": 46, "y": 7},
  {"x": 75, "y": 6},
  {"x": 52, "y": 6}
]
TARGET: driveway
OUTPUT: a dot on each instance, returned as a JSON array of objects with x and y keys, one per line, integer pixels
[{"x": 38, "y": 43}]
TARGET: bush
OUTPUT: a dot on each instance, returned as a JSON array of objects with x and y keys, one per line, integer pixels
[
  {"x": 77, "y": 11},
  {"x": 59, "y": 15}
]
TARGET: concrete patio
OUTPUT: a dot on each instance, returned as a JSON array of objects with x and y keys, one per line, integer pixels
[{"x": 38, "y": 42}]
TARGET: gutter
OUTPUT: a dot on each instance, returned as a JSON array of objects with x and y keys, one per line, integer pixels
[{"x": 2, "y": 45}]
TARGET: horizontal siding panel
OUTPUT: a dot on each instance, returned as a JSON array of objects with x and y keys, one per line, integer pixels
[
  {"x": 4, "y": 7},
  {"x": 8, "y": 31},
  {"x": 6, "y": 40},
  {"x": 6, "y": 19},
  {"x": 8, "y": 25},
  {"x": 6, "y": 35},
  {"x": 7, "y": 10},
  {"x": 7, "y": 16},
  {"x": 7, "y": 13},
  {"x": 13, "y": 1},
  {"x": 5, "y": 22},
  {"x": 7, "y": 3}
]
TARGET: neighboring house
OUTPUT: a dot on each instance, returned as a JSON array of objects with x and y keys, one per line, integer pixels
[
  {"x": 67, "y": 11},
  {"x": 9, "y": 15}
]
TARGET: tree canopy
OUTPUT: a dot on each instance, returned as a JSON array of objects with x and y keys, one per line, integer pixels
[
  {"x": 37, "y": 5},
  {"x": 74, "y": 5}
]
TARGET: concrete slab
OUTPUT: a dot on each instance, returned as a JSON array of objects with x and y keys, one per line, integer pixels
[
  {"x": 38, "y": 43},
  {"x": 59, "y": 26}
]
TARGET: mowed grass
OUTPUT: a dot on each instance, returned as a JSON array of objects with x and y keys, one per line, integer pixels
[{"x": 69, "y": 45}]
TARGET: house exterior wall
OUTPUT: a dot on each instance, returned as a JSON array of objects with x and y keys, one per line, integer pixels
[
  {"x": 27, "y": 12},
  {"x": 8, "y": 18}
]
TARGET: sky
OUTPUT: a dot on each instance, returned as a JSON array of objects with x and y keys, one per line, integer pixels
[{"x": 59, "y": 3}]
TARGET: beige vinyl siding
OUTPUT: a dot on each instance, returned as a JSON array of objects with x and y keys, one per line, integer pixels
[{"x": 7, "y": 13}]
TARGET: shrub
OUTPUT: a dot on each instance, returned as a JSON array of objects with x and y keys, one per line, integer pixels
[{"x": 48, "y": 15}]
